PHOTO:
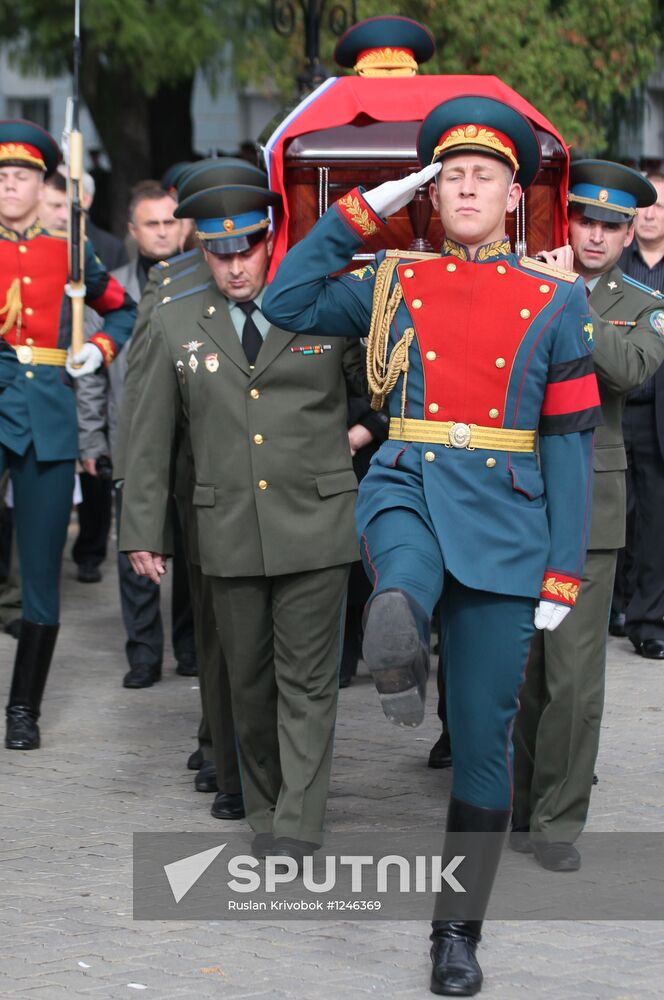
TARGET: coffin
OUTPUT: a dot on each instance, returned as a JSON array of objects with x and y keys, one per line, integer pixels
[{"x": 354, "y": 130}]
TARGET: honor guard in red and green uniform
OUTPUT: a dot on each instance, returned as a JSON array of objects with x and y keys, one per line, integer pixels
[
  {"x": 480, "y": 355},
  {"x": 38, "y": 427}
]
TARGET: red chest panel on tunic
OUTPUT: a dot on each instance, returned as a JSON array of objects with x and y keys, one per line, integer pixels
[
  {"x": 470, "y": 320},
  {"x": 40, "y": 264}
]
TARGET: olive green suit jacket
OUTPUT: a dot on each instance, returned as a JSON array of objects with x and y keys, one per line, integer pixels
[
  {"x": 624, "y": 357},
  {"x": 275, "y": 489},
  {"x": 169, "y": 277}
]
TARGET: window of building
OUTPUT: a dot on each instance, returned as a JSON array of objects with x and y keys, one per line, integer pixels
[{"x": 35, "y": 109}]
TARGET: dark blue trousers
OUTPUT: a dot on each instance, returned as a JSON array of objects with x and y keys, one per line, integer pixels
[
  {"x": 43, "y": 494},
  {"x": 484, "y": 649}
]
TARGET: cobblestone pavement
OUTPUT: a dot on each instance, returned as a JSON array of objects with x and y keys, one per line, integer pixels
[{"x": 113, "y": 762}]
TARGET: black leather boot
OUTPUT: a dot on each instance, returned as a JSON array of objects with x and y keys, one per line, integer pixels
[
  {"x": 396, "y": 650},
  {"x": 457, "y": 923},
  {"x": 33, "y": 659}
]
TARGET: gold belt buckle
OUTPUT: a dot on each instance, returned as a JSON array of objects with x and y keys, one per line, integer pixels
[
  {"x": 24, "y": 354},
  {"x": 459, "y": 435}
]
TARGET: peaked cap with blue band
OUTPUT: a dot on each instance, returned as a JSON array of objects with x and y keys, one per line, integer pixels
[
  {"x": 607, "y": 191},
  {"x": 229, "y": 218},
  {"x": 24, "y": 144},
  {"x": 218, "y": 171},
  {"x": 362, "y": 45},
  {"x": 174, "y": 174},
  {"x": 481, "y": 125}
]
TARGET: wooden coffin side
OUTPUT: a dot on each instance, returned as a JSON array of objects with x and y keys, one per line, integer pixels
[{"x": 321, "y": 167}]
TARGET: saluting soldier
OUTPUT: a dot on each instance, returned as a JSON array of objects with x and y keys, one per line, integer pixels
[
  {"x": 38, "y": 428},
  {"x": 265, "y": 413},
  {"x": 556, "y": 736},
  {"x": 477, "y": 351}
]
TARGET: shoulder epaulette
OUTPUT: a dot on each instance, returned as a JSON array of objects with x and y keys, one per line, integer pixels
[
  {"x": 179, "y": 257},
  {"x": 550, "y": 270},
  {"x": 411, "y": 254},
  {"x": 170, "y": 278},
  {"x": 60, "y": 234},
  {"x": 643, "y": 288},
  {"x": 185, "y": 293}
]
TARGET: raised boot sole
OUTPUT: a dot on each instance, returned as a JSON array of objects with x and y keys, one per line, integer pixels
[{"x": 393, "y": 652}]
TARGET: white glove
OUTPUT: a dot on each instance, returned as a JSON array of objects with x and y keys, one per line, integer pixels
[
  {"x": 389, "y": 197},
  {"x": 549, "y": 615},
  {"x": 88, "y": 360}
]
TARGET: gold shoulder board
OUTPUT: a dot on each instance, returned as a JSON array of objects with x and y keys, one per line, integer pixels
[
  {"x": 551, "y": 271},
  {"x": 411, "y": 254}
]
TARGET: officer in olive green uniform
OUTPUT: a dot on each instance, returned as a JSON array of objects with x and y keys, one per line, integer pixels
[
  {"x": 557, "y": 730},
  {"x": 274, "y": 496},
  {"x": 216, "y": 758}
]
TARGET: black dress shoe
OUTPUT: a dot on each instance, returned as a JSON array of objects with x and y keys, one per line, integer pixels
[
  {"x": 456, "y": 971},
  {"x": 652, "y": 649},
  {"x": 22, "y": 729},
  {"x": 227, "y": 806},
  {"x": 440, "y": 755},
  {"x": 195, "y": 760},
  {"x": 557, "y": 856},
  {"x": 141, "y": 676},
  {"x": 206, "y": 779},
  {"x": 519, "y": 840},
  {"x": 88, "y": 573},
  {"x": 14, "y": 628},
  {"x": 262, "y": 844},
  {"x": 187, "y": 668},
  {"x": 617, "y": 625},
  {"x": 289, "y": 847}
]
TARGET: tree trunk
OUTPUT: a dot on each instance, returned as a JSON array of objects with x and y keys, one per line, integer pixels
[
  {"x": 170, "y": 124},
  {"x": 120, "y": 113},
  {"x": 142, "y": 136}
]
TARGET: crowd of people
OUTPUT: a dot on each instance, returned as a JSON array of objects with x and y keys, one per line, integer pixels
[{"x": 488, "y": 404}]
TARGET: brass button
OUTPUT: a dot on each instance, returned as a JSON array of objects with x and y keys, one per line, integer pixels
[
  {"x": 501, "y": 269},
  {"x": 451, "y": 267},
  {"x": 22, "y": 249},
  {"x": 430, "y": 456},
  {"x": 254, "y": 393},
  {"x": 408, "y": 273},
  {"x": 417, "y": 303},
  {"x": 431, "y": 355},
  {"x": 544, "y": 289},
  {"x": 493, "y": 413},
  {"x": 525, "y": 314},
  {"x": 27, "y": 280},
  {"x": 29, "y": 375},
  {"x": 29, "y": 311},
  {"x": 258, "y": 439},
  {"x": 29, "y": 341},
  {"x": 500, "y": 362},
  {"x": 262, "y": 484},
  {"x": 433, "y": 407},
  {"x": 490, "y": 462}
]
